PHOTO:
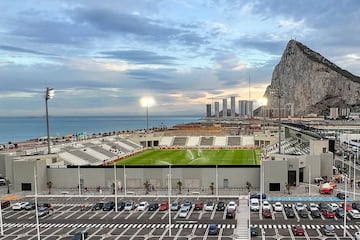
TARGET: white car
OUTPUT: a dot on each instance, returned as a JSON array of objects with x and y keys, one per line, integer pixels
[
  {"x": 19, "y": 205},
  {"x": 357, "y": 235},
  {"x": 209, "y": 206},
  {"x": 333, "y": 206},
  {"x": 299, "y": 206},
  {"x": 130, "y": 205},
  {"x": 354, "y": 214},
  {"x": 278, "y": 207},
  {"x": 312, "y": 207},
  {"x": 266, "y": 205},
  {"x": 183, "y": 212},
  {"x": 143, "y": 206},
  {"x": 232, "y": 205}
]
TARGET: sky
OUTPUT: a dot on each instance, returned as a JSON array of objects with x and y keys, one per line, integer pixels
[{"x": 102, "y": 57}]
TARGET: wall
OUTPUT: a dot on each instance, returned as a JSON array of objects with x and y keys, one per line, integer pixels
[{"x": 275, "y": 171}]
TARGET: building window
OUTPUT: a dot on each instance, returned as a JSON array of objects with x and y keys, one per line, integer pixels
[
  {"x": 274, "y": 186},
  {"x": 324, "y": 150}
]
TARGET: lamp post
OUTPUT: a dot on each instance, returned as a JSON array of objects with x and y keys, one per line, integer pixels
[
  {"x": 49, "y": 95},
  {"x": 169, "y": 194},
  {"x": 147, "y": 102}
]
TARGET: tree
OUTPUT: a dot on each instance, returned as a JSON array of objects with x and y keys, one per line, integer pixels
[
  {"x": 8, "y": 185},
  {"x": 113, "y": 188},
  {"x": 49, "y": 185},
  {"x": 147, "y": 186},
  {"x": 248, "y": 186},
  {"x": 179, "y": 183},
  {"x": 212, "y": 188},
  {"x": 288, "y": 187}
]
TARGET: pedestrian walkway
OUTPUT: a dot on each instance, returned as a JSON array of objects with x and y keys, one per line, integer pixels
[{"x": 242, "y": 217}]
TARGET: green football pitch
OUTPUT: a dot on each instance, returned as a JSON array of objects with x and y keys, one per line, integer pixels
[{"x": 194, "y": 157}]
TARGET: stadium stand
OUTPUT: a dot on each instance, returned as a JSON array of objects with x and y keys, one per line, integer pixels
[
  {"x": 206, "y": 141},
  {"x": 104, "y": 151},
  {"x": 166, "y": 141},
  {"x": 193, "y": 141},
  {"x": 233, "y": 141},
  {"x": 179, "y": 141},
  {"x": 71, "y": 159},
  {"x": 84, "y": 156}
]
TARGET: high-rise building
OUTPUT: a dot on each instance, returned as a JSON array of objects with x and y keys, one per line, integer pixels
[
  {"x": 242, "y": 108},
  {"x": 232, "y": 104},
  {"x": 217, "y": 109},
  {"x": 224, "y": 108},
  {"x": 249, "y": 112},
  {"x": 208, "y": 110}
]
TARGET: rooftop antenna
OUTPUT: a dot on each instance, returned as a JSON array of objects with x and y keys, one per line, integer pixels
[{"x": 249, "y": 88}]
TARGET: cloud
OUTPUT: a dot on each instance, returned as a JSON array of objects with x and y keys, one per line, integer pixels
[
  {"x": 21, "y": 50},
  {"x": 138, "y": 56}
]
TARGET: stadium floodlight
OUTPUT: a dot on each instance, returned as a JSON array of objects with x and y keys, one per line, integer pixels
[
  {"x": 147, "y": 102},
  {"x": 48, "y": 95},
  {"x": 263, "y": 103}
]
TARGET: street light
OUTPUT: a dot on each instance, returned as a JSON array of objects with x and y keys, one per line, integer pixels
[
  {"x": 48, "y": 95},
  {"x": 147, "y": 102}
]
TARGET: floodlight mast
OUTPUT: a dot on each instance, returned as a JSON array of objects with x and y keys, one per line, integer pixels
[{"x": 48, "y": 95}]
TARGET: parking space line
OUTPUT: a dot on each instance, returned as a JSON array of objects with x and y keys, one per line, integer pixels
[
  {"x": 70, "y": 215},
  {"x": 58, "y": 214},
  {"x": 105, "y": 215},
  {"x": 118, "y": 214}
]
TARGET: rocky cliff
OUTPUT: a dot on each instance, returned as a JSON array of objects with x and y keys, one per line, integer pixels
[{"x": 310, "y": 83}]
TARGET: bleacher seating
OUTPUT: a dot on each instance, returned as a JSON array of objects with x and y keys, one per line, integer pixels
[
  {"x": 166, "y": 141},
  {"x": 220, "y": 141},
  {"x": 80, "y": 153},
  {"x": 193, "y": 141},
  {"x": 72, "y": 159},
  {"x": 179, "y": 141},
  {"x": 206, "y": 141},
  {"x": 233, "y": 141}
]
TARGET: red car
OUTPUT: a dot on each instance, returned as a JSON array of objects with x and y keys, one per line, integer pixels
[
  {"x": 164, "y": 206},
  {"x": 198, "y": 206},
  {"x": 298, "y": 230},
  {"x": 348, "y": 206},
  {"x": 328, "y": 213},
  {"x": 267, "y": 213}
]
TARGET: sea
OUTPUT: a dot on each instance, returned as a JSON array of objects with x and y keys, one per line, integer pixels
[{"x": 19, "y": 129}]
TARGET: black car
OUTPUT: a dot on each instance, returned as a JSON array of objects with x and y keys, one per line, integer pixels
[
  {"x": 303, "y": 213},
  {"x": 80, "y": 235},
  {"x": 322, "y": 206},
  {"x": 339, "y": 212},
  {"x": 108, "y": 206},
  {"x": 356, "y": 205},
  {"x": 230, "y": 213},
  {"x": 97, "y": 206},
  {"x": 340, "y": 195},
  {"x": 327, "y": 230},
  {"x": 120, "y": 206},
  {"x": 257, "y": 195},
  {"x": 315, "y": 213},
  {"x": 220, "y": 206},
  {"x": 289, "y": 212},
  {"x": 254, "y": 231},
  {"x": 30, "y": 206},
  {"x": 153, "y": 206},
  {"x": 5, "y": 204}
]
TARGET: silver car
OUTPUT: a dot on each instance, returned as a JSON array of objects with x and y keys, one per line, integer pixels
[{"x": 183, "y": 212}]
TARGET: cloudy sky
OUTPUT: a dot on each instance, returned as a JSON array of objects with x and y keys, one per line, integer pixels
[{"x": 101, "y": 57}]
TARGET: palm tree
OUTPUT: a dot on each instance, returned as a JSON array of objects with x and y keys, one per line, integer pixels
[
  {"x": 113, "y": 188},
  {"x": 288, "y": 187},
  {"x": 147, "y": 186},
  {"x": 179, "y": 183},
  {"x": 212, "y": 188},
  {"x": 49, "y": 185},
  {"x": 248, "y": 186},
  {"x": 8, "y": 185}
]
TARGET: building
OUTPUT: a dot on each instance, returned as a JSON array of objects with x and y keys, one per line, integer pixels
[
  {"x": 224, "y": 108},
  {"x": 232, "y": 102},
  {"x": 208, "y": 110},
  {"x": 217, "y": 110}
]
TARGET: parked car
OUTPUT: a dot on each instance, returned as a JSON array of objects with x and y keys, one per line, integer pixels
[
  {"x": 357, "y": 235},
  {"x": 142, "y": 206},
  {"x": 97, "y": 206},
  {"x": 266, "y": 205},
  {"x": 333, "y": 206},
  {"x": 213, "y": 229},
  {"x": 254, "y": 204},
  {"x": 315, "y": 213},
  {"x": 30, "y": 206},
  {"x": 80, "y": 235},
  {"x": 230, "y": 213},
  {"x": 129, "y": 205},
  {"x": 299, "y": 206},
  {"x": 209, "y": 206},
  {"x": 231, "y": 205},
  {"x": 175, "y": 206},
  {"x": 356, "y": 205},
  {"x": 187, "y": 204},
  {"x": 19, "y": 205},
  {"x": 329, "y": 213},
  {"x": 298, "y": 230},
  {"x": 278, "y": 207},
  {"x": 220, "y": 206},
  {"x": 266, "y": 213},
  {"x": 312, "y": 206},
  {"x": 5, "y": 204},
  {"x": 108, "y": 206},
  {"x": 303, "y": 213},
  {"x": 322, "y": 206},
  {"x": 43, "y": 211},
  {"x": 198, "y": 206},
  {"x": 289, "y": 211},
  {"x": 254, "y": 231},
  {"x": 339, "y": 212},
  {"x": 327, "y": 230},
  {"x": 46, "y": 205},
  {"x": 257, "y": 195},
  {"x": 354, "y": 214},
  {"x": 347, "y": 207},
  {"x": 183, "y": 212},
  {"x": 153, "y": 206},
  {"x": 164, "y": 206},
  {"x": 120, "y": 206},
  {"x": 340, "y": 195}
]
